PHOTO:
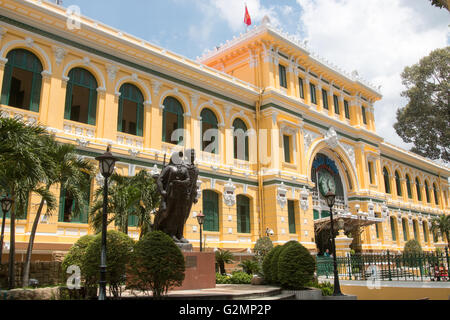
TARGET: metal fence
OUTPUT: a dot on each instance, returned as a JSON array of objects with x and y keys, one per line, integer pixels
[{"x": 430, "y": 266}]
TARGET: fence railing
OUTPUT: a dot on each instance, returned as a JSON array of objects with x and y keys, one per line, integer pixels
[{"x": 430, "y": 266}]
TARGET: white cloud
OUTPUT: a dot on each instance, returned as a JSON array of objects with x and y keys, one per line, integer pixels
[{"x": 378, "y": 38}]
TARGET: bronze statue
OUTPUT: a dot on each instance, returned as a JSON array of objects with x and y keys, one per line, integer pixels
[{"x": 177, "y": 195}]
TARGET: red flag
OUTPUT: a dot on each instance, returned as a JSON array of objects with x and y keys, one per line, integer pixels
[{"x": 247, "y": 19}]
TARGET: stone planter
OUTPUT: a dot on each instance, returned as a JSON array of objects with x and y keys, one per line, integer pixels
[{"x": 306, "y": 294}]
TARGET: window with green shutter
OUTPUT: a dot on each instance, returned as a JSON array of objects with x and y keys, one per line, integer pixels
[
  {"x": 240, "y": 140},
  {"x": 287, "y": 148},
  {"x": 312, "y": 89},
  {"x": 398, "y": 184},
  {"x": 132, "y": 220},
  {"x": 387, "y": 185},
  {"x": 419, "y": 193},
  {"x": 325, "y": 98},
  {"x": 243, "y": 214},
  {"x": 427, "y": 192},
  {"x": 416, "y": 230},
  {"x": 208, "y": 136},
  {"x": 346, "y": 109},
  {"x": 131, "y": 110},
  {"x": 435, "y": 193},
  {"x": 81, "y": 97},
  {"x": 370, "y": 165},
  {"x": 291, "y": 216},
  {"x": 282, "y": 75},
  {"x": 336, "y": 104},
  {"x": 405, "y": 230},
  {"x": 210, "y": 210},
  {"x": 393, "y": 229},
  {"x": 301, "y": 89},
  {"x": 425, "y": 231},
  {"x": 364, "y": 116},
  {"x": 67, "y": 206},
  {"x": 173, "y": 119},
  {"x": 408, "y": 187},
  {"x": 378, "y": 226},
  {"x": 22, "y": 80}
]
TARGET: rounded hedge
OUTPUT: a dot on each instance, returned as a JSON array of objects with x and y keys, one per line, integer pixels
[
  {"x": 119, "y": 247},
  {"x": 266, "y": 266},
  {"x": 274, "y": 264},
  {"x": 296, "y": 266},
  {"x": 157, "y": 264},
  {"x": 76, "y": 253},
  {"x": 412, "y": 247}
]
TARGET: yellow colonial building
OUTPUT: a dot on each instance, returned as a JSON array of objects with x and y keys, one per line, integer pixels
[{"x": 285, "y": 118}]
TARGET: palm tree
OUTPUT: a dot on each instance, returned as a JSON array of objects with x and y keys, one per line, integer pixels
[
  {"x": 23, "y": 164},
  {"x": 222, "y": 257},
  {"x": 441, "y": 225},
  {"x": 71, "y": 172},
  {"x": 127, "y": 196}
]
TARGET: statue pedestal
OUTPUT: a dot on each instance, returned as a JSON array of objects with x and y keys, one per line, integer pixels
[
  {"x": 185, "y": 247},
  {"x": 200, "y": 271}
]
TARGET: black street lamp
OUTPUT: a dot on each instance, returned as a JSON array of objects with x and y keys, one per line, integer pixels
[
  {"x": 201, "y": 220},
  {"x": 7, "y": 203},
  {"x": 331, "y": 197},
  {"x": 106, "y": 164}
]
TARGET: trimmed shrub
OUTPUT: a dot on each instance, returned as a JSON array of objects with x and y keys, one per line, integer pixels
[
  {"x": 274, "y": 264},
  {"x": 239, "y": 277},
  {"x": 412, "y": 247},
  {"x": 266, "y": 266},
  {"x": 296, "y": 266},
  {"x": 118, "y": 253},
  {"x": 222, "y": 279},
  {"x": 262, "y": 248},
  {"x": 157, "y": 264}
]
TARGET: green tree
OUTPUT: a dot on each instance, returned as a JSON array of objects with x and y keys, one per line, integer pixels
[
  {"x": 23, "y": 166},
  {"x": 425, "y": 120},
  {"x": 249, "y": 266},
  {"x": 119, "y": 247},
  {"x": 262, "y": 247},
  {"x": 157, "y": 264},
  {"x": 223, "y": 257},
  {"x": 73, "y": 175},
  {"x": 440, "y": 3},
  {"x": 440, "y": 225},
  {"x": 136, "y": 195},
  {"x": 296, "y": 266}
]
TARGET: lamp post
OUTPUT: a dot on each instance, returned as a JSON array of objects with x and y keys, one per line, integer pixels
[
  {"x": 7, "y": 203},
  {"x": 201, "y": 220},
  {"x": 331, "y": 197},
  {"x": 106, "y": 164}
]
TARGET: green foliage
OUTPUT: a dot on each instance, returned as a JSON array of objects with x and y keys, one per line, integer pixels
[
  {"x": 262, "y": 248},
  {"x": 223, "y": 257},
  {"x": 274, "y": 264},
  {"x": 441, "y": 226},
  {"x": 412, "y": 247},
  {"x": 118, "y": 254},
  {"x": 127, "y": 196},
  {"x": 267, "y": 266},
  {"x": 250, "y": 266},
  {"x": 76, "y": 254},
  {"x": 157, "y": 264},
  {"x": 237, "y": 277},
  {"x": 296, "y": 266},
  {"x": 425, "y": 120}
]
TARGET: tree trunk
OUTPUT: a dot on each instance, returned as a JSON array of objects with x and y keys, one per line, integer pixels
[
  {"x": 26, "y": 267},
  {"x": 2, "y": 236},
  {"x": 12, "y": 247}
]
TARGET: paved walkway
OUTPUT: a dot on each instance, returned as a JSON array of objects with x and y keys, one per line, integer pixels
[{"x": 221, "y": 291}]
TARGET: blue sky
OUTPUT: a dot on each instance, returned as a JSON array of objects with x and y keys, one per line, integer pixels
[{"x": 378, "y": 38}]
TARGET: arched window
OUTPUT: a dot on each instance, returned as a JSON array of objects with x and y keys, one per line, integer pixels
[
  {"x": 67, "y": 205},
  {"x": 425, "y": 231},
  {"x": 419, "y": 194},
  {"x": 427, "y": 192},
  {"x": 173, "y": 119},
  {"x": 131, "y": 110},
  {"x": 210, "y": 210},
  {"x": 209, "y": 135},
  {"x": 81, "y": 97},
  {"x": 393, "y": 228},
  {"x": 416, "y": 230},
  {"x": 408, "y": 187},
  {"x": 22, "y": 80},
  {"x": 387, "y": 185},
  {"x": 243, "y": 214},
  {"x": 405, "y": 229},
  {"x": 398, "y": 185},
  {"x": 435, "y": 192},
  {"x": 240, "y": 140}
]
